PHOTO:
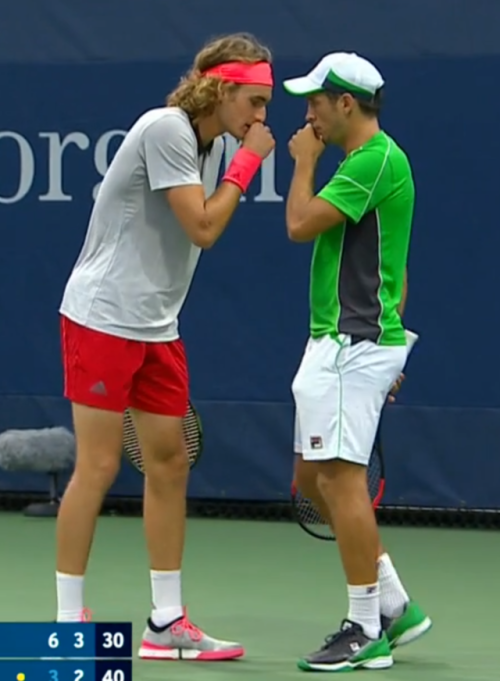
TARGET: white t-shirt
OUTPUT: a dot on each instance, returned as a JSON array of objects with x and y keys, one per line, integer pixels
[{"x": 137, "y": 262}]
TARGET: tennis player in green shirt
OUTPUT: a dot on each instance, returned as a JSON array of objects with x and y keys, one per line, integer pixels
[{"x": 360, "y": 222}]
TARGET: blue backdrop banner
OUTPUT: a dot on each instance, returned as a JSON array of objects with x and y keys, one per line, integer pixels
[{"x": 74, "y": 80}]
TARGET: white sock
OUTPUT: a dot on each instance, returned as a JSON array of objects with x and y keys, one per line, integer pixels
[
  {"x": 69, "y": 597},
  {"x": 167, "y": 598},
  {"x": 364, "y": 608},
  {"x": 393, "y": 597}
]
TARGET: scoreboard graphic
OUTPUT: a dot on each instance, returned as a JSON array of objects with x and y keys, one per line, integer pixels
[{"x": 65, "y": 651}]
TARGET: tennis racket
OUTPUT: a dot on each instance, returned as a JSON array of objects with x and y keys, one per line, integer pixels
[
  {"x": 306, "y": 513},
  {"x": 193, "y": 435}
]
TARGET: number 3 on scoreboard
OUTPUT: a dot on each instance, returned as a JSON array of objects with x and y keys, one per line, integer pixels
[
  {"x": 79, "y": 642},
  {"x": 54, "y": 676}
]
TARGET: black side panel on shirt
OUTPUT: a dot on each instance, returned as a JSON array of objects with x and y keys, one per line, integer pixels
[{"x": 359, "y": 280}]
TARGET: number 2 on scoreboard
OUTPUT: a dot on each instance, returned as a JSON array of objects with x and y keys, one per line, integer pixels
[{"x": 54, "y": 676}]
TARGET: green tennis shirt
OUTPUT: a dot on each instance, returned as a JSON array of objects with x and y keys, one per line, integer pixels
[{"x": 357, "y": 269}]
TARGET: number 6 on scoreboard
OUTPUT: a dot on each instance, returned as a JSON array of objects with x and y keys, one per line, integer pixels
[{"x": 53, "y": 641}]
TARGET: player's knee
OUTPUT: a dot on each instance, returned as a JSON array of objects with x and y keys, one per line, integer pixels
[
  {"x": 99, "y": 470},
  {"x": 162, "y": 445},
  {"x": 164, "y": 470}
]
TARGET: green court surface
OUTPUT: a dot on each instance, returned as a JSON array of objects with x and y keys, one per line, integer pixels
[{"x": 275, "y": 589}]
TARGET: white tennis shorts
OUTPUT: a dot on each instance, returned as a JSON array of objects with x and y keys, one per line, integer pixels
[{"x": 340, "y": 390}]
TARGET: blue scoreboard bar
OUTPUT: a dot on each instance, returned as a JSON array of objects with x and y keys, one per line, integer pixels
[
  {"x": 71, "y": 640},
  {"x": 66, "y": 670}
]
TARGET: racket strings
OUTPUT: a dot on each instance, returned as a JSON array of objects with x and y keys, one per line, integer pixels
[
  {"x": 131, "y": 442},
  {"x": 374, "y": 474},
  {"x": 308, "y": 512},
  {"x": 191, "y": 428}
]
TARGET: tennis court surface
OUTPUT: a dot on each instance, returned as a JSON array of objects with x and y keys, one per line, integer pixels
[{"x": 275, "y": 589}]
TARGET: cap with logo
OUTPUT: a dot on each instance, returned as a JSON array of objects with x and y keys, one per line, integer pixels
[{"x": 339, "y": 72}]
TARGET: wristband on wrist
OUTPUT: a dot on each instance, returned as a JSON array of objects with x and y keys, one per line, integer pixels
[{"x": 243, "y": 168}]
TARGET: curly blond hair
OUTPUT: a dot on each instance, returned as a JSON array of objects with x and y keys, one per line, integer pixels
[{"x": 198, "y": 95}]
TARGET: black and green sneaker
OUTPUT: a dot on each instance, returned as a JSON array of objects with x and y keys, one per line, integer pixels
[
  {"x": 349, "y": 649},
  {"x": 408, "y": 627}
]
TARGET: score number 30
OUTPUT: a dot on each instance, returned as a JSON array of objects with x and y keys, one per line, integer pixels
[{"x": 116, "y": 640}]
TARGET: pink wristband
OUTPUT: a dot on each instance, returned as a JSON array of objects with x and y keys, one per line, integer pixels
[{"x": 243, "y": 168}]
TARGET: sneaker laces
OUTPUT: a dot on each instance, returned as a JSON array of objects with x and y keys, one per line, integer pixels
[
  {"x": 185, "y": 626},
  {"x": 345, "y": 629}
]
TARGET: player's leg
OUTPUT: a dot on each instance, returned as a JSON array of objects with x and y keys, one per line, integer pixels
[
  {"x": 339, "y": 397},
  {"x": 97, "y": 371},
  {"x": 306, "y": 481},
  {"x": 159, "y": 401},
  {"x": 402, "y": 617},
  {"x": 305, "y": 475}
]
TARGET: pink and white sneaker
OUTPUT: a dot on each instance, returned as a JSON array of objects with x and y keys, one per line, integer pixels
[{"x": 182, "y": 640}]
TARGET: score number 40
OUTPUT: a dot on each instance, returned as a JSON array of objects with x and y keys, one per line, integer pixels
[{"x": 116, "y": 640}]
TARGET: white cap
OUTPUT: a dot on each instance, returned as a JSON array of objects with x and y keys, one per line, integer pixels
[{"x": 339, "y": 72}]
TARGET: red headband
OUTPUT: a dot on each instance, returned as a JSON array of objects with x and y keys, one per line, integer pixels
[{"x": 243, "y": 74}]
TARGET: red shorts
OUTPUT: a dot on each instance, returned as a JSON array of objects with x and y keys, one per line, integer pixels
[{"x": 112, "y": 373}]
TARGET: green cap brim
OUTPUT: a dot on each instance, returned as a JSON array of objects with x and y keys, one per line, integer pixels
[{"x": 301, "y": 87}]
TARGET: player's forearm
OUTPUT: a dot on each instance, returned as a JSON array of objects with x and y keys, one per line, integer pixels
[
  {"x": 219, "y": 209},
  {"x": 299, "y": 196}
]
